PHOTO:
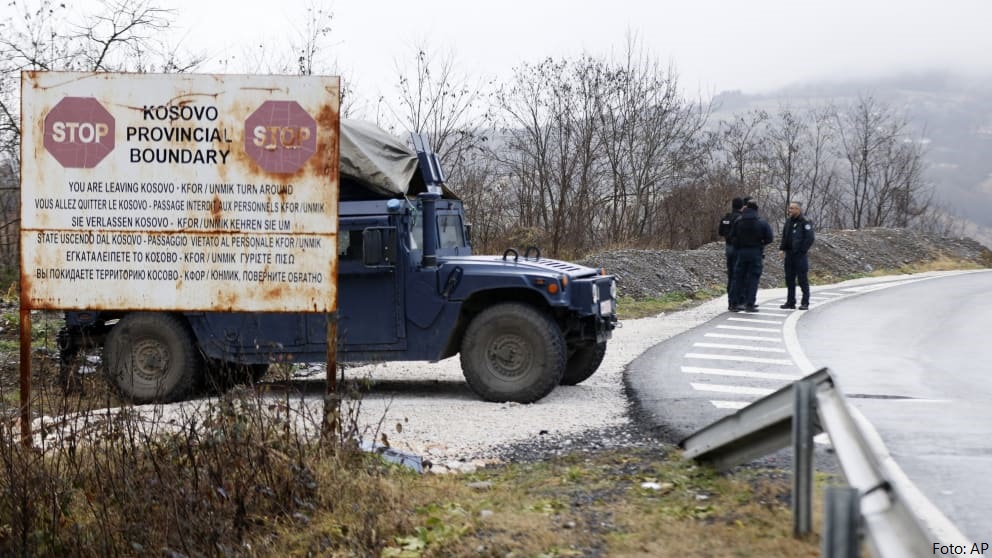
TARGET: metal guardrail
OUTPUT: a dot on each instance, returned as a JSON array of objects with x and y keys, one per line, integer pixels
[{"x": 793, "y": 415}]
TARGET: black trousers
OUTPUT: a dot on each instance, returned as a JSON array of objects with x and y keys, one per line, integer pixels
[
  {"x": 731, "y": 262},
  {"x": 796, "y": 271},
  {"x": 747, "y": 274}
]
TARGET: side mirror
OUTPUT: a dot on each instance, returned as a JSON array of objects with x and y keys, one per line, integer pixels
[{"x": 468, "y": 234}]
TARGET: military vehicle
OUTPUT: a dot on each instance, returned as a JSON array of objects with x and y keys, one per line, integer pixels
[{"x": 409, "y": 289}]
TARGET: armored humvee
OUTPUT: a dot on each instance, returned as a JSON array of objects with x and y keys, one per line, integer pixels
[{"x": 409, "y": 289}]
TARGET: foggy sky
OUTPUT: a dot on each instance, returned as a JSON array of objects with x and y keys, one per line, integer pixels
[{"x": 751, "y": 45}]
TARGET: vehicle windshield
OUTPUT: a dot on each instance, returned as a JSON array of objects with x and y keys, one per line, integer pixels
[{"x": 451, "y": 233}]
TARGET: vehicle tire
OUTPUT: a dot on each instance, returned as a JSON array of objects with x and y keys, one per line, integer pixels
[
  {"x": 152, "y": 357},
  {"x": 583, "y": 363},
  {"x": 513, "y": 352}
]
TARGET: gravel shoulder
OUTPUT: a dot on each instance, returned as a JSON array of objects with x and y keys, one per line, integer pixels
[{"x": 453, "y": 429}]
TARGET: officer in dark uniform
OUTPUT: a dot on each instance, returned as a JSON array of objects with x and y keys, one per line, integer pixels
[
  {"x": 749, "y": 235},
  {"x": 726, "y": 223},
  {"x": 797, "y": 238}
]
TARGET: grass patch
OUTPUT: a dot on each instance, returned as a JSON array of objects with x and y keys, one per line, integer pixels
[
  {"x": 44, "y": 329},
  {"x": 629, "y": 308},
  {"x": 942, "y": 263},
  {"x": 640, "y": 502}
]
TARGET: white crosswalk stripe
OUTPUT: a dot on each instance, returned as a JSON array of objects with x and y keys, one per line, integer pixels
[
  {"x": 742, "y": 337},
  {"x": 755, "y": 321},
  {"x": 729, "y": 404},
  {"x": 740, "y": 373},
  {"x": 739, "y": 347},
  {"x": 751, "y": 328},
  {"x": 723, "y": 388},
  {"x": 735, "y": 358}
]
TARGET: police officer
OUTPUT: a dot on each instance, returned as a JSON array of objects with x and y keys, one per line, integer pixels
[
  {"x": 726, "y": 223},
  {"x": 797, "y": 238},
  {"x": 749, "y": 235}
]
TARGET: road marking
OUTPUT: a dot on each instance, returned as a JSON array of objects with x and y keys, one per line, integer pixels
[
  {"x": 775, "y": 313},
  {"x": 877, "y": 286},
  {"x": 735, "y": 358},
  {"x": 729, "y": 404},
  {"x": 739, "y": 347},
  {"x": 829, "y": 293},
  {"x": 740, "y": 373},
  {"x": 743, "y": 337},
  {"x": 754, "y": 321},
  {"x": 722, "y": 388},
  {"x": 750, "y": 328}
]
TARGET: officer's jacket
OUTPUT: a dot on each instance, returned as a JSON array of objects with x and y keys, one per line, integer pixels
[
  {"x": 750, "y": 231},
  {"x": 797, "y": 235},
  {"x": 727, "y": 223}
]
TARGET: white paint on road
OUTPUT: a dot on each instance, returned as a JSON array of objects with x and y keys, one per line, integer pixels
[
  {"x": 729, "y": 404},
  {"x": 739, "y": 347},
  {"x": 736, "y": 358},
  {"x": 723, "y": 388},
  {"x": 740, "y": 373},
  {"x": 749, "y": 328},
  {"x": 743, "y": 337},
  {"x": 754, "y": 321}
]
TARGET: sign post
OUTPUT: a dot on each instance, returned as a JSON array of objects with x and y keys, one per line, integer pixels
[{"x": 178, "y": 192}]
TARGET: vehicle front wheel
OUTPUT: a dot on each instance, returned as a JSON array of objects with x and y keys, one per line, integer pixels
[
  {"x": 513, "y": 352},
  {"x": 151, "y": 357},
  {"x": 583, "y": 363}
]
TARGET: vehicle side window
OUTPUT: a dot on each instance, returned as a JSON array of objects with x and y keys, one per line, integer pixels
[
  {"x": 350, "y": 245},
  {"x": 450, "y": 230},
  {"x": 416, "y": 230}
]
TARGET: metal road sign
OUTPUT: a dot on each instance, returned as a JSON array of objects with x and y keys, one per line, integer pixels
[{"x": 179, "y": 192}]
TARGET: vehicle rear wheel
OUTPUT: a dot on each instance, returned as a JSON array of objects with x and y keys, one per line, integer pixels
[
  {"x": 151, "y": 357},
  {"x": 583, "y": 363},
  {"x": 513, "y": 352}
]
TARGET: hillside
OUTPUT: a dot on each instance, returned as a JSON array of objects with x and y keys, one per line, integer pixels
[
  {"x": 952, "y": 115},
  {"x": 836, "y": 255}
]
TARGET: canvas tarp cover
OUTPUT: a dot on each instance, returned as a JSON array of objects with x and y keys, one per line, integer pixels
[{"x": 375, "y": 158}]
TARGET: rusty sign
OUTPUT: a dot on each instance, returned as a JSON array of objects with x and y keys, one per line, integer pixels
[{"x": 179, "y": 192}]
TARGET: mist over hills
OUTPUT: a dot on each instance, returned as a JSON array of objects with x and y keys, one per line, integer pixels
[{"x": 951, "y": 113}]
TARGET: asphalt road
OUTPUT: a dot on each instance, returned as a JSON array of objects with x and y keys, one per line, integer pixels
[
  {"x": 915, "y": 360},
  {"x": 910, "y": 353}
]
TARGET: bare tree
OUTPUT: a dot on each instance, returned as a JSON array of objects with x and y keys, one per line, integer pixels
[
  {"x": 801, "y": 167},
  {"x": 818, "y": 187},
  {"x": 549, "y": 125},
  {"x": 742, "y": 141},
  {"x": 787, "y": 135},
  {"x": 650, "y": 140},
  {"x": 313, "y": 33},
  {"x": 123, "y": 35},
  {"x": 435, "y": 99},
  {"x": 885, "y": 184}
]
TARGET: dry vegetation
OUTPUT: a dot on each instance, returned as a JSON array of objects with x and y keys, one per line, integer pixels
[{"x": 244, "y": 479}]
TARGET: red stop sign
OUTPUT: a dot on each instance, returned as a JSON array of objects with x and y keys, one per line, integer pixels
[
  {"x": 280, "y": 136},
  {"x": 79, "y": 132}
]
